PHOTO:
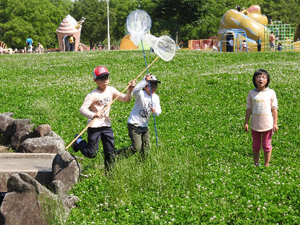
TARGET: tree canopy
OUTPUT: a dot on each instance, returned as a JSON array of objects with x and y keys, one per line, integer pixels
[{"x": 36, "y": 18}]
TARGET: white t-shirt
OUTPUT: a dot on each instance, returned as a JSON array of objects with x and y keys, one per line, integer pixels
[
  {"x": 98, "y": 100},
  {"x": 141, "y": 111},
  {"x": 261, "y": 104}
]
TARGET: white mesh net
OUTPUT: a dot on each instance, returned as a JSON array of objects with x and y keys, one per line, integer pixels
[
  {"x": 138, "y": 24},
  {"x": 163, "y": 46}
]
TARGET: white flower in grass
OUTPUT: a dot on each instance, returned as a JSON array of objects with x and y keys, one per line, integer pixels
[
  {"x": 166, "y": 212},
  {"x": 173, "y": 219},
  {"x": 142, "y": 211},
  {"x": 127, "y": 210}
]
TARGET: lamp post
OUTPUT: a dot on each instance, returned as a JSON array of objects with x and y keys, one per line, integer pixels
[{"x": 108, "y": 36}]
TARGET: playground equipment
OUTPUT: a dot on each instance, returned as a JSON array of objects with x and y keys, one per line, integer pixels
[
  {"x": 248, "y": 25},
  {"x": 127, "y": 44},
  {"x": 203, "y": 44},
  {"x": 3, "y": 47},
  {"x": 68, "y": 27},
  {"x": 283, "y": 34}
]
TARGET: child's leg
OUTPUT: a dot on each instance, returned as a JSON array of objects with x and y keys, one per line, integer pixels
[
  {"x": 266, "y": 145},
  {"x": 146, "y": 145},
  {"x": 135, "y": 134},
  {"x": 267, "y": 157},
  {"x": 108, "y": 142},
  {"x": 90, "y": 149},
  {"x": 256, "y": 145}
]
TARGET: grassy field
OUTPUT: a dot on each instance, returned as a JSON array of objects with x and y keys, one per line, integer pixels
[{"x": 202, "y": 172}]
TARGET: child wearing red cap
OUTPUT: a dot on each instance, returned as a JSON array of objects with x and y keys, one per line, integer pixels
[{"x": 94, "y": 104}]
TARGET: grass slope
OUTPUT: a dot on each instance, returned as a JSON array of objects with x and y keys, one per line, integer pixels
[{"x": 202, "y": 172}]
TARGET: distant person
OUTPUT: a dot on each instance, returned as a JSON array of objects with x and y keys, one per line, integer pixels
[
  {"x": 258, "y": 43},
  {"x": 279, "y": 47},
  {"x": 238, "y": 8},
  {"x": 231, "y": 44},
  {"x": 262, "y": 105},
  {"x": 29, "y": 42},
  {"x": 92, "y": 108},
  {"x": 272, "y": 41},
  {"x": 71, "y": 42},
  {"x": 137, "y": 122},
  {"x": 40, "y": 48},
  {"x": 244, "y": 46}
]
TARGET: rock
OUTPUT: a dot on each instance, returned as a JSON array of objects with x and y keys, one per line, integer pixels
[
  {"x": 41, "y": 130},
  {"x": 42, "y": 145},
  {"x": 58, "y": 187},
  {"x": 66, "y": 169},
  {"x": 54, "y": 135},
  {"x": 28, "y": 202},
  {"x": 15, "y": 125},
  {"x": 18, "y": 138},
  {"x": 5, "y": 121}
]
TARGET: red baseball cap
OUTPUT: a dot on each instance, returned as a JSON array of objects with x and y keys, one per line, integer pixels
[{"x": 99, "y": 72}]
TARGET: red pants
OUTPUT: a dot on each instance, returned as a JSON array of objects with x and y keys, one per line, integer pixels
[{"x": 262, "y": 138}]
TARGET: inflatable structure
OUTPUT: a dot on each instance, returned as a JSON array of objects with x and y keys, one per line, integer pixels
[
  {"x": 69, "y": 26},
  {"x": 127, "y": 44},
  {"x": 238, "y": 27}
]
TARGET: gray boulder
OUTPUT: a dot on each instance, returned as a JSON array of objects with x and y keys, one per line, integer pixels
[
  {"x": 54, "y": 135},
  {"x": 17, "y": 124},
  {"x": 28, "y": 197},
  {"x": 20, "y": 135},
  {"x": 41, "y": 130},
  {"x": 66, "y": 169},
  {"x": 5, "y": 121},
  {"x": 42, "y": 145}
]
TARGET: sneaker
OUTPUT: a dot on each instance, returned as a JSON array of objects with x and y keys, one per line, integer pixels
[{"x": 75, "y": 144}]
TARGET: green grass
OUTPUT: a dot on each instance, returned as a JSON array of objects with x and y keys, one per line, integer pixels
[{"x": 202, "y": 172}]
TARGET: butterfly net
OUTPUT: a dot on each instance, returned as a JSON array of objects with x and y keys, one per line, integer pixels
[
  {"x": 138, "y": 24},
  {"x": 163, "y": 46}
]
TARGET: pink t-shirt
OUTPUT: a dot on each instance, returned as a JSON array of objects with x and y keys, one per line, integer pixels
[
  {"x": 98, "y": 100},
  {"x": 261, "y": 104}
]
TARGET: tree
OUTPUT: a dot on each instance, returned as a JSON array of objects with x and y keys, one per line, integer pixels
[
  {"x": 94, "y": 30},
  {"x": 36, "y": 18}
]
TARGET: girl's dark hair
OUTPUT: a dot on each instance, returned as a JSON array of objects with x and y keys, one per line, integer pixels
[{"x": 261, "y": 72}]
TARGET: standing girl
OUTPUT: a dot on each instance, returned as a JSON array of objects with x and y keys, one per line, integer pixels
[{"x": 262, "y": 105}]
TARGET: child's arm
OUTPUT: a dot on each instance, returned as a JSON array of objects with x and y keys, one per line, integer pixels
[
  {"x": 157, "y": 109},
  {"x": 85, "y": 108},
  {"x": 247, "y": 117},
  {"x": 128, "y": 96},
  {"x": 140, "y": 86},
  {"x": 275, "y": 116}
]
